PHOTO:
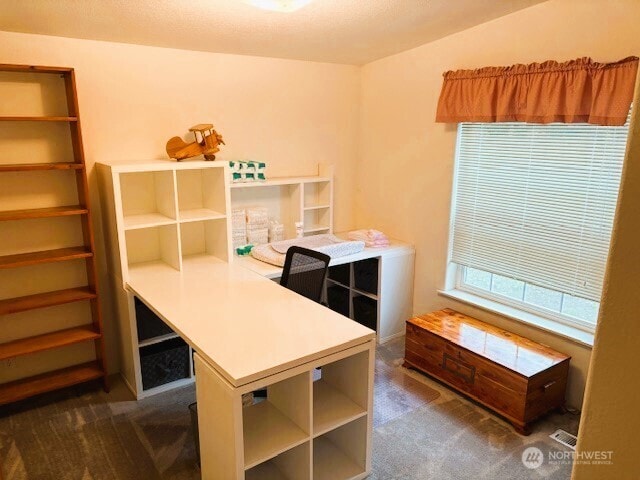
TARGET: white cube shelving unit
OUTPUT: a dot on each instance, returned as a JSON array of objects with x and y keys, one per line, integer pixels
[
  {"x": 292, "y": 199},
  {"x": 314, "y": 424},
  {"x": 160, "y": 212}
]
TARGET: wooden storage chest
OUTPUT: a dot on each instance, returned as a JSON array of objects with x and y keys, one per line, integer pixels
[{"x": 514, "y": 376}]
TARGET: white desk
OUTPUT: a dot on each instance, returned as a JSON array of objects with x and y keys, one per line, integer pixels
[
  {"x": 225, "y": 311},
  {"x": 250, "y": 333},
  {"x": 247, "y": 332},
  {"x": 394, "y": 295}
]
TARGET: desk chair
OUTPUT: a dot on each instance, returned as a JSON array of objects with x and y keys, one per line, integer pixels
[{"x": 304, "y": 272}]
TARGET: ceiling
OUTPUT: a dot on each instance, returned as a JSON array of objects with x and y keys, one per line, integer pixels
[{"x": 336, "y": 31}]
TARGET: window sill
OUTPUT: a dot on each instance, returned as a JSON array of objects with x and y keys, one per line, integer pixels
[{"x": 570, "y": 333}]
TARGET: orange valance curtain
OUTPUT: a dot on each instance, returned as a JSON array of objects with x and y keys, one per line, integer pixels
[{"x": 577, "y": 91}]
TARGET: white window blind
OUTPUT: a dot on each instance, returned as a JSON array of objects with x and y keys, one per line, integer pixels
[{"x": 536, "y": 202}]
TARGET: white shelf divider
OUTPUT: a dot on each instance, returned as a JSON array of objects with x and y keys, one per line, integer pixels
[
  {"x": 292, "y": 464},
  {"x": 196, "y": 214},
  {"x": 317, "y": 207},
  {"x": 158, "y": 339},
  {"x": 146, "y": 220}
]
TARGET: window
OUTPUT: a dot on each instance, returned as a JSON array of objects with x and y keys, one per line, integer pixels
[{"x": 533, "y": 209}]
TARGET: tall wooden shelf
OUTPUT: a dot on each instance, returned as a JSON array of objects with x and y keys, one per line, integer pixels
[
  {"x": 37, "y": 119},
  {"x": 31, "y": 167},
  {"x": 26, "y": 263}
]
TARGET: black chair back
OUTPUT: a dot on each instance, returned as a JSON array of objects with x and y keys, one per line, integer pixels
[{"x": 305, "y": 271}]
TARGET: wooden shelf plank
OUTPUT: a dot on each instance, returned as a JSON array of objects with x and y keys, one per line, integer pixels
[
  {"x": 30, "y": 167},
  {"x": 48, "y": 299},
  {"x": 332, "y": 408},
  {"x": 48, "y": 341},
  {"x": 20, "y": 118},
  {"x": 4, "y": 67},
  {"x": 47, "y": 382},
  {"x": 267, "y": 433},
  {"x": 43, "y": 212},
  {"x": 46, "y": 256}
]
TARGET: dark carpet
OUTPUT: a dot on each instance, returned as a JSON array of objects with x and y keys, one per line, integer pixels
[{"x": 421, "y": 431}]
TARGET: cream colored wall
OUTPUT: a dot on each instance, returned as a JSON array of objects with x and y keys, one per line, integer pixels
[
  {"x": 406, "y": 159},
  {"x": 610, "y": 417},
  {"x": 291, "y": 114}
]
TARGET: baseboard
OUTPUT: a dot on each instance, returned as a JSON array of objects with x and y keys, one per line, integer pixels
[{"x": 382, "y": 341}]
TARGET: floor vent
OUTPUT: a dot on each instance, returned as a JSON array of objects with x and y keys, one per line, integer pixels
[{"x": 565, "y": 438}]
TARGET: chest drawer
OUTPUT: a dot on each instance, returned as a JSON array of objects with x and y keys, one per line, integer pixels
[
  {"x": 427, "y": 341},
  {"x": 489, "y": 370}
]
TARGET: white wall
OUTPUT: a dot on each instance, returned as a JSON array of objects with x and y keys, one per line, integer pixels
[
  {"x": 291, "y": 114},
  {"x": 406, "y": 159}
]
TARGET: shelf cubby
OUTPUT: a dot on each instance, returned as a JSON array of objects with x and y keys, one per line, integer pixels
[
  {"x": 294, "y": 464},
  {"x": 201, "y": 194},
  {"x": 317, "y": 194},
  {"x": 148, "y": 199},
  {"x": 280, "y": 422},
  {"x": 153, "y": 244},
  {"x": 165, "y": 362},
  {"x": 340, "y": 395},
  {"x": 33, "y": 95},
  {"x": 282, "y": 202},
  {"x": 205, "y": 237},
  {"x": 332, "y": 408},
  {"x": 365, "y": 275},
  {"x": 31, "y": 189},
  {"x": 338, "y": 298},
  {"x": 317, "y": 220},
  {"x": 365, "y": 310},
  {"x": 341, "y": 453},
  {"x": 150, "y": 328},
  {"x": 340, "y": 273}
]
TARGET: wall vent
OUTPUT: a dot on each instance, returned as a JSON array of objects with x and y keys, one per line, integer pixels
[{"x": 565, "y": 438}]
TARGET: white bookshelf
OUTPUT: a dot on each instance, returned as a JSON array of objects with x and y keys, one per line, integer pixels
[
  {"x": 306, "y": 199},
  {"x": 304, "y": 429},
  {"x": 160, "y": 213}
]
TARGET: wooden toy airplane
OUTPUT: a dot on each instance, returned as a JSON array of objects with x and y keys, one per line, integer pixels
[{"x": 207, "y": 145}]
